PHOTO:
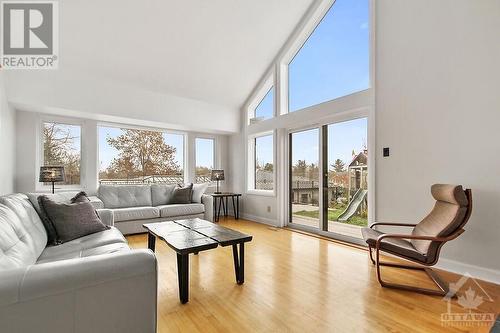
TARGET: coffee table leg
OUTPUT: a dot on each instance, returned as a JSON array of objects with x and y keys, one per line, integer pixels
[
  {"x": 239, "y": 263},
  {"x": 151, "y": 241},
  {"x": 183, "y": 276}
]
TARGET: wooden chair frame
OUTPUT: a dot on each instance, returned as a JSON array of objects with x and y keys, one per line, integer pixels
[{"x": 422, "y": 266}]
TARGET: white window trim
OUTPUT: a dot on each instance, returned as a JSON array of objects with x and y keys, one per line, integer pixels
[
  {"x": 40, "y": 187},
  {"x": 250, "y": 179},
  {"x": 143, "y": 128}
]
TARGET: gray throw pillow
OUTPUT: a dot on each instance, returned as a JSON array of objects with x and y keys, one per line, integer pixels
[
  {"x": 80, "y": 197},
  {"x": 182, "y": 195},
  {"x": 49, "y": 227},
  {"x": 72, "y": 221}
]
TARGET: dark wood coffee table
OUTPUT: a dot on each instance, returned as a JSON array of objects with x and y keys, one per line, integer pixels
[{"x": 194, "y": 236}]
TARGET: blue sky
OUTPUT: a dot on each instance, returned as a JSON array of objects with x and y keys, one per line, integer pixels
[
  {"x": 204, "y": 152},
  {"x": 343, "y": 138},
  {"x": 266, "y": 106},
  {"x": 264, "y": 149}
]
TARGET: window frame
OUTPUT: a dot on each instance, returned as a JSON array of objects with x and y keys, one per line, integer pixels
[
  {"x": 214, "y": 152},
  {"x": 251, "y": 164},
  {"x": 266, "y": 85},
  {"x": 143, "y": 128},
  {"x": 43, "y": 119},
  {"x": 303, "y": 32}
]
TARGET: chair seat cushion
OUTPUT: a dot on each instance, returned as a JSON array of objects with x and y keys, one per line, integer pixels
[
  {"x": 180, "y": 210},
  {"x": 135, "y": 213},
  {"x": 106, "y": 237},
  {"x": 400, "y": 247},
  {"x": 104, "y": 249}
]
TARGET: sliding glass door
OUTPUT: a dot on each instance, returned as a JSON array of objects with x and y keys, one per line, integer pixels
[
  {"x": 348, "y": 177},
  {"x": 304, "y": 178},
  {"x": 328, "y": 176}
]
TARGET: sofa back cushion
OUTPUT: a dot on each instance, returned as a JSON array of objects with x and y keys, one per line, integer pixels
[
  {"x": 21, "y": 240},
  {"x": 161, "y": 194},
  {"x": 121, "y": 196}
]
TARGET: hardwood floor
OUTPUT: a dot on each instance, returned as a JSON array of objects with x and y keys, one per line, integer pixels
[{"x": 297, "y": 283}]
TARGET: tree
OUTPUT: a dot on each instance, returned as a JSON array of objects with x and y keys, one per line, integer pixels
[
  {"x": 268, "y": 167},
  {"x": 143, "y": 153},
  {"x": 59, "y": 149},
  {"x": 338, "y": 165},
  {"x": 299, "y": 169}
]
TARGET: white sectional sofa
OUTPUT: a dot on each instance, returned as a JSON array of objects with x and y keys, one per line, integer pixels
[
  {"x": 133, "y": 205},
  {"x": 92, "y": 284}
]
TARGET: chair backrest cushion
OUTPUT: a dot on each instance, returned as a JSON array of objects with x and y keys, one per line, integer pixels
[
  {"x": 161, "y": 194},
  {"x": 122, "y": 196},
  {"x": 447, "y": 215},
  {"x": 22, "y": 234}
]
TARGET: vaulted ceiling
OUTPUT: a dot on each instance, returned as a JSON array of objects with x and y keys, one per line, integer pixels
[{"x": 213, "y": 51}]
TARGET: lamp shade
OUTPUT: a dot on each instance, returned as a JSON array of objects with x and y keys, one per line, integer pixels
[
  {"x": 217, "y": 175},
  {"x": 51, "y": 174}
]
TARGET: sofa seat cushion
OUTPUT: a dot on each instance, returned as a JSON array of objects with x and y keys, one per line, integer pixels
[
  {"x": 135, "y": 213},
  {"x": 106, "y": 237},
  {"x": 104, "y": 249},
  {"x": 181, "y": 209}
]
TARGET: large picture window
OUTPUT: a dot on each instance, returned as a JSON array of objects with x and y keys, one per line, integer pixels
[
  {"x": 334, "y": 61},
  {"x": 62, "y": 147},
  {"x": 205, "y": 159},
  {"x": 263, "y": 163},
  {"x": 136, "y": 156}
]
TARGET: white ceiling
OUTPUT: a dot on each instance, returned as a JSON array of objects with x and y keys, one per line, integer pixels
[{"x": 210, "y": 50}]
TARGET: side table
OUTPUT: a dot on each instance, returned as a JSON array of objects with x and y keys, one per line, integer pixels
[{"x": 221, "y": 201}]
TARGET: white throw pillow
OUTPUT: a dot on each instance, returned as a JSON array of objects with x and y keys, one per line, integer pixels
[{"x": 198, "y": 191}]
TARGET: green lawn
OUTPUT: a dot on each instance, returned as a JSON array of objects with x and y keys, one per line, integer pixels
[{"x": 333, "y": 215}]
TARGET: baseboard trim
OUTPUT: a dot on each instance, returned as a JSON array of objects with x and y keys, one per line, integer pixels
[
  {"x": 481, "y": 273},
  {"x": 259, "y": 219}
]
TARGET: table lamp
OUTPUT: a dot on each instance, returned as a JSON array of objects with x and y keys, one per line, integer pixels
[
  {"x": 51, "y": 174},
  {"x": 217, "y": 175}
]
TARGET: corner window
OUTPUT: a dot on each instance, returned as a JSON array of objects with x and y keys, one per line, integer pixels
[
  {"x": 136, "y": 156},
  {"x": 261, "y": 163},
  {"x": 205, "y": 159},
  {"x": 62, "y": 147},
  {"x": 334, "y": 61}
]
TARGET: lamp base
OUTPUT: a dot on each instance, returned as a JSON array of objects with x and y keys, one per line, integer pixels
[{"x": 217, "y": 192}]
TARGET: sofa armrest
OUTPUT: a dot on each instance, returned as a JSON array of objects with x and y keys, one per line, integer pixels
[
  {"x": 107, "y": 217},
  {"x": 208, "y": 202},
  {"x": 103, "y": 293},
  {"x": 96, "y": 202}
]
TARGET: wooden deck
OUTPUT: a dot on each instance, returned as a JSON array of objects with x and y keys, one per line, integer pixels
[{"x": 297, "y": 283}]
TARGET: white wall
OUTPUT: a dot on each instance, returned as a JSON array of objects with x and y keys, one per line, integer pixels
[
  {"x": 27, "y": 128},
  {"x": 437, "y": 106},
  {"x": 7, "y": 141},
  {"x": 437, "y": 98}
]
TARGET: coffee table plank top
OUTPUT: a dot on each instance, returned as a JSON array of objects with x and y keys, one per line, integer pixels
[{"x": 195, "y": 235}]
